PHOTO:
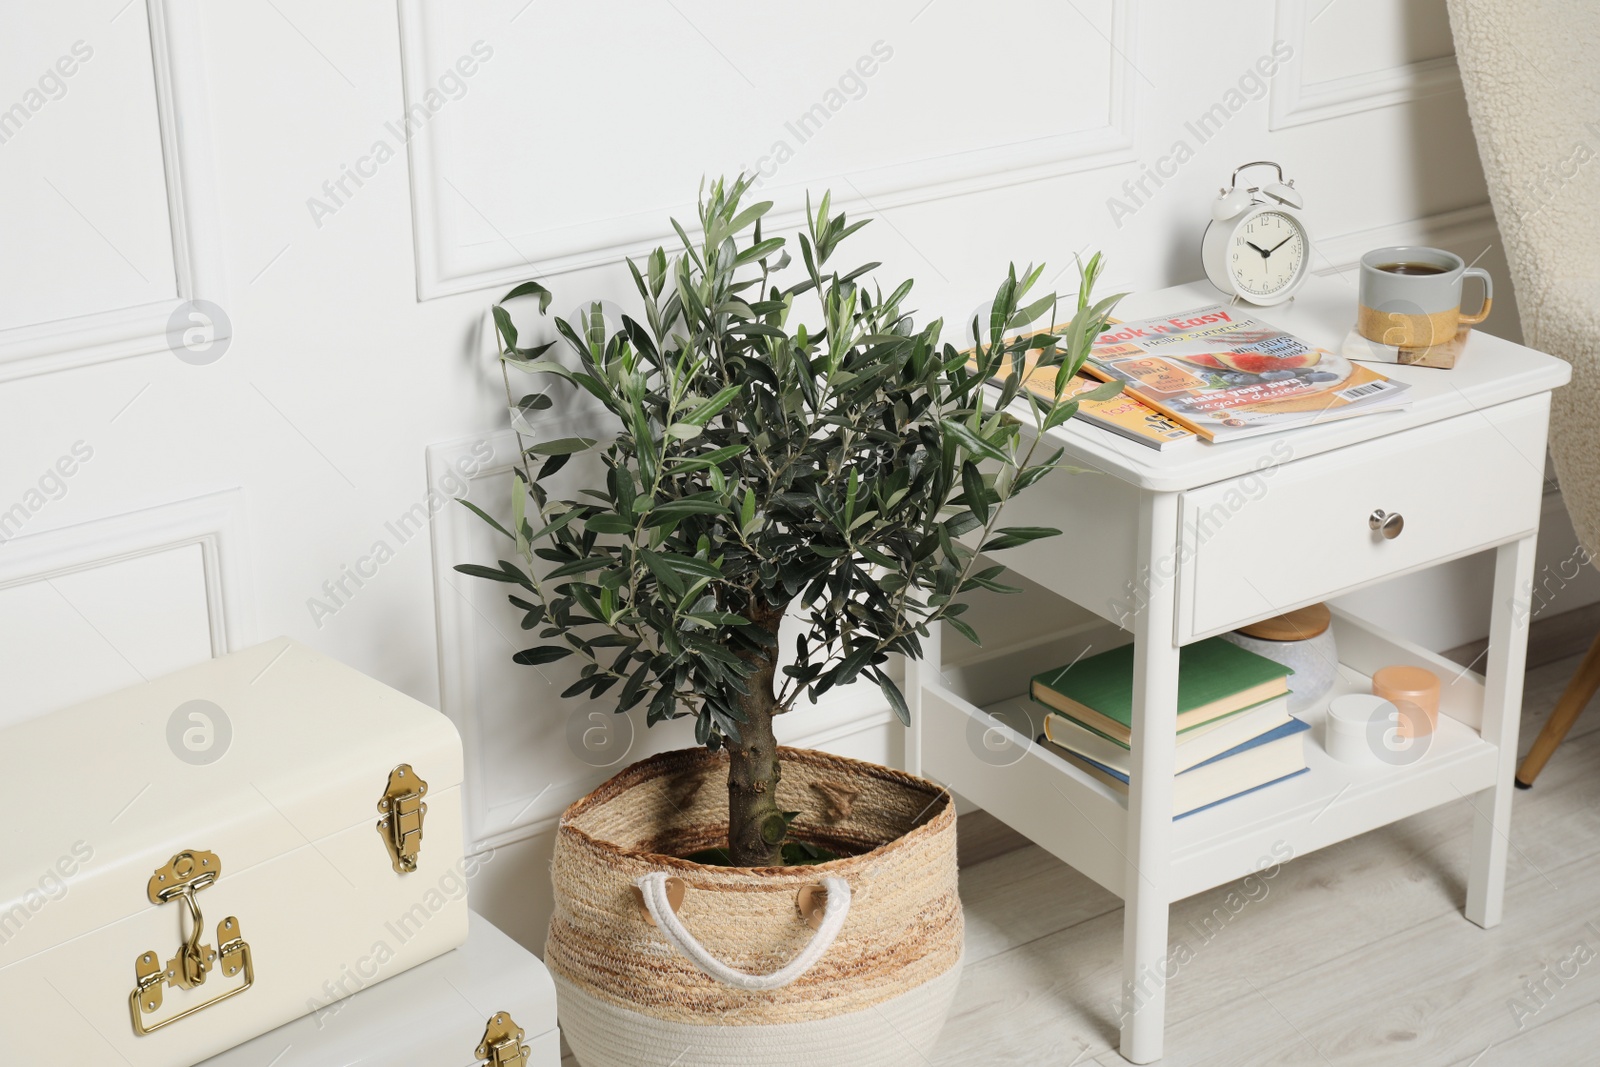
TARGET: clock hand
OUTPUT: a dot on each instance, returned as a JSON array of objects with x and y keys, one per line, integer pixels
[
  {"x": 1258, "y": 248},
  {"x": 1279, "y": 245}
]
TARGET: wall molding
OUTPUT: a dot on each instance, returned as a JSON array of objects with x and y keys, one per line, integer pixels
[
  {"x": 178, "y": 66},
  {"x": 456, "y": 624},
  {"x": 1296, "y": 102},
  {"x": 215, "y": 522},
  {"x": 898, "y": 185},
  {"x": 1463, "y": 228}
]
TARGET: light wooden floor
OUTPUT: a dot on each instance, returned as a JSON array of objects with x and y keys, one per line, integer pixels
[{"x": 1357, "y": 954}]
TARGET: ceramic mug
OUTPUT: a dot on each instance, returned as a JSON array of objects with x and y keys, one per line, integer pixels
[{"x": 1411, "y": 297}]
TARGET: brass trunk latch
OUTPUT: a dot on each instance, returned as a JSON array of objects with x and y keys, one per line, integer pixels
[
  {"x": 502, "y": 1043},
  {"x": 403, "y": 811},
  {"x": 185, "y": 875}
]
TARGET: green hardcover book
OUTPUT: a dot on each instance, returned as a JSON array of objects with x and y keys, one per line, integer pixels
[{"x": 1215, "y": 678}]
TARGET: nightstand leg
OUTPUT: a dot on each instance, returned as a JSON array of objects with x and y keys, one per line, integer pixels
[
  {"x": 1147, "y": 890},
  {"x": 1502, "y": 711},
  {"x": 920, "y": 672}
]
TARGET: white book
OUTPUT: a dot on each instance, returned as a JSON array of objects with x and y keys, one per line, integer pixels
[
  {"x": 1195, "y": 746},
  {"x": 1261, "y": 761}
]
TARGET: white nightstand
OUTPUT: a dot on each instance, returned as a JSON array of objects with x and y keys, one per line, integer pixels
[{"x": 1178, "y": 545}]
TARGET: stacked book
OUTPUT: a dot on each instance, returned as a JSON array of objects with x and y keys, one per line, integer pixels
[{"x": 1235, "y": 733}]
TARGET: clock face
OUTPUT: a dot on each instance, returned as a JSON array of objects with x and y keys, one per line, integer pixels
[{"x": 1268, "y": 254}]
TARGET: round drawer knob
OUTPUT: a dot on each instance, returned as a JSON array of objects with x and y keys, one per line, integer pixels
[{"x": 1388, "y": 523}]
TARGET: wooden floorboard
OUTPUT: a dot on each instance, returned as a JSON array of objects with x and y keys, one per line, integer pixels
[
  {"x": 1569, "y": 1038},
  {"x": 1550, "y": 638},
  {"x": 980, "y": 837}
]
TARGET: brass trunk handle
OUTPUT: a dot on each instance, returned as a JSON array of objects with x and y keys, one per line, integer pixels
[{"x": 186, "y": 874}]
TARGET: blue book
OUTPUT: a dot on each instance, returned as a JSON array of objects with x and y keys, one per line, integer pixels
[{"x": 1261, "y": 761}]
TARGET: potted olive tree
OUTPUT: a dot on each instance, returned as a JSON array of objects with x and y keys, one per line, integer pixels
[{"x": 802, "y": 451}]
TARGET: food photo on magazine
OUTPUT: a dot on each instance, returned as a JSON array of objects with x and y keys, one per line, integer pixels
[{"x": 1225, "y": 375}]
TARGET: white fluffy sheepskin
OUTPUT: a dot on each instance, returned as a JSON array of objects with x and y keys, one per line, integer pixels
[{"x": 1533, "y": 88}]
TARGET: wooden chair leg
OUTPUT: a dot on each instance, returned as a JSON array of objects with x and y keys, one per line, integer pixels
[{"x": 1585, "y": 681}]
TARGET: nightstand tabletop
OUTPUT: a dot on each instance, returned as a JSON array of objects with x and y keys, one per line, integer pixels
[{"x": 1491, "y": 371}]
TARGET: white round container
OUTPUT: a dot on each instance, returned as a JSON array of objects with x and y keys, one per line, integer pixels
[{"x": 1347, "y": 732}]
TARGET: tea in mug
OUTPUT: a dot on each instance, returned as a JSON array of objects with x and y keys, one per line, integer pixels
[{"x": 1412, "y": 268}]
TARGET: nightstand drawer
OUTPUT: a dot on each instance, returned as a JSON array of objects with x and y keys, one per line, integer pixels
[{"x": 1303, "y": 530}]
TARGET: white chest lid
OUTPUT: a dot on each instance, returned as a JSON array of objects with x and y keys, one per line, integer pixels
[
  {"x": 432, "y": 1015},
  {"x": 97, "y": 798}
]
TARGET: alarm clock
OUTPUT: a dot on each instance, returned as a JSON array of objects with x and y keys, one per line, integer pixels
[{"x": 1256, "y": 247}]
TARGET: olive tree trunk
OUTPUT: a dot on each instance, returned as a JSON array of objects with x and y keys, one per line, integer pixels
[{"x": 756, "y": 826}]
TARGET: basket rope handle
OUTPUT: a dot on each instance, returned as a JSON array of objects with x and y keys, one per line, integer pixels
[{"x": 654, "y": 888}]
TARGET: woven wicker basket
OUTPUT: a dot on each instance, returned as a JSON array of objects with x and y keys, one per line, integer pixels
[{"x": 733, "y": 973}]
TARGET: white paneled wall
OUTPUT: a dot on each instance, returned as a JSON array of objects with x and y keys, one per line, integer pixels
[
  {"x": 89, "y": 109},
  {"x": 350, "y": 184},
  {"x": 866, "y": 98},
  {"x": 105, "y": 170},
  {"x": 1356, "y": 55},
  {"x": 90, "y": 608},
  {"x": 78, "y": 635}
]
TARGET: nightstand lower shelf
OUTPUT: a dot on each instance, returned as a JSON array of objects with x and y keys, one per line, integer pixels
[
  {"x": 999, "y": 768},
  {"x": 989, "y": 755}
]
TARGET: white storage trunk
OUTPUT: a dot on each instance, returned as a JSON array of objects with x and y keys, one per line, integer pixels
[
  {"x": 436, "y": 1015},
  {"x": 257, "y": 794}
]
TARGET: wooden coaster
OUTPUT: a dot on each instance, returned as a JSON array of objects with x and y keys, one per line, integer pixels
[{"x": 1299, "y": 625}]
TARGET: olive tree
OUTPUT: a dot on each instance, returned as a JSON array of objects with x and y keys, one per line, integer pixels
[{"x": 805, "y": 452}]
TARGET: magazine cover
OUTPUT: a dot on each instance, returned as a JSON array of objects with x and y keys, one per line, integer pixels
[
  {"x": 1226, "y": 375},
  {"x": 1124, "y": 414}
]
